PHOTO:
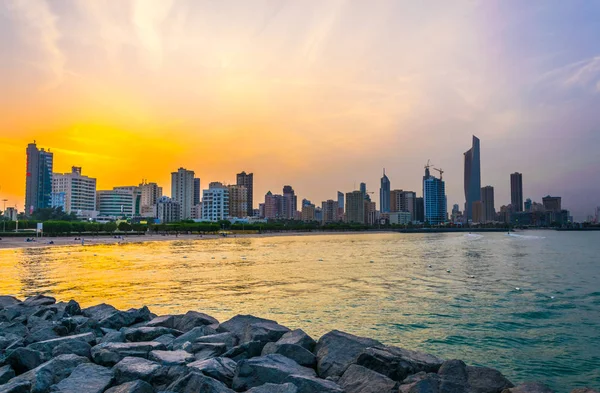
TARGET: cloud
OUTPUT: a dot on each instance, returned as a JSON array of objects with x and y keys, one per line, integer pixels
[
  {"x": 148, "y": 16},
  {"x": 584, "y": 74}
]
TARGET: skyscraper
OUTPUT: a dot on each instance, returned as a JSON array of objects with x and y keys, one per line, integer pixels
[
  {"x": 247, "y": 180},
  {"x": 38, "y": 180},
  {"x": 182, "y": 191},
  {"x": 238, "y": 201},
  {"x": 355, "y": 207},
  {"x": 472, "y": 177},
  {"x": 77, "y": 193},
  {"x": 363, "y": 190},
  {"x": 434, "y": 200},
  {"x": 340, "y": 200},
  {"x": 420, "y": 209},
  {"x": 330, "y": 211},
  {"x": 196, "y": 191},
  {"x": 551, "y": 203},
  {"x": 487, "y": 199},
  {"x": 273, "y": 206},
  {"x": 215, "y": 202},
  {"x": 384, "y": 194},
  {"x": 516, "y": 191},
  {"x": 290, "y": 203}
]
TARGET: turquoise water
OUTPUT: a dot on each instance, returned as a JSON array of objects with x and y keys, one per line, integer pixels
[{"x": 466, "y": 305}]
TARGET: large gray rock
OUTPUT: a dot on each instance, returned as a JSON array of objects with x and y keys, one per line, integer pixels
[
  {"x": 24, "y": 359},
  {"x": 166, "y": 339},
  {"x": 72, "y": 308},
  {"x": 171, "y": 358},
  {"x": 99, "y": 311},
  {"x": 298, "y": 337},
  {"x": 6, "y": 374},
  {"x": 51, "y": 372},
  {"x": 397, "y": 363},
  {"x": 251, "y": 328},
  {"x": 15, "y": 328},
  {"x": 306, "y": 384},
  {"x": 86, "y": 378},
  {"x": 358, "y": 379},
  {"x": 196, "y": 382},
  {"x": 46, "y": 347},
  {"x": 113, "y": 336},
  {"x": 194, "y": 319},
  {"x": 76, "y": 347},
  {"x": 120, "y": 319},
  {"x": 207, "y": 350},
  {"x": 132, "y": 368},
  {"x": 537, "y": 387},
  {"x": 137, "y": 386},
  {"x": 108, "y": 354},
  {"x": 222, "y": 369},
  {"x": 337, "y": 350},
  {"x": 16, "y": 386},
  {"x": 39, "y": 300},
  {"x": 486, "y": 380},
  {"x": 168, "y": 321},
  {"x": 247, "y": 350},
  {"x": 145, "y": 333},
  {"x": 267, "y": 369},
  {"x": 193, "y": 335},
  {"x": 584, "y": 390},
  {"x": 8, "y": 301},
  {"x": 274, "y": 388},
  {"x": 299, "y": 354}
]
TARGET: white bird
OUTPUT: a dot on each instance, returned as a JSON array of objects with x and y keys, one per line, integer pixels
[
  {"x": 471, "y": 276},
  {"x": 551, "y": 297},
  {"x": 517, "y": 289},
  {"x": 448, "y": 270}
]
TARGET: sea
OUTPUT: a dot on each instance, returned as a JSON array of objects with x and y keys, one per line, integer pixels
[{"x": 526, "y": 303}]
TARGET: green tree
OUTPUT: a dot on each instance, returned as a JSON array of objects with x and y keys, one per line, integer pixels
[
  {"x": 124, "y": 227},
  {"x": 109, "y": 227}
]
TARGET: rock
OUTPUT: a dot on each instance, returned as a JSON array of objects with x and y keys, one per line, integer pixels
[
  {"x": 455, "y": 369},
  {"x": 245, "y": 351},
  {"x": 306, "y": 384},
  {"x": 207, "y": 350},
  {"x": 6, "y": 374},
  {"x": 76, "y": 347},
  {"x": 47, "y": 346},
  {"x": 165, "y": 376},
  {"x": 337, "y": 350},
  {"x": 99, "y": 312},
  {"x": 86, "y": 378},
  {"x": 251, "y": 328},
  {"x": 24, "y": 359},
  {"x": 120, "y": 319},
  {"x": 167, "y": 340},
  {"x": 108, "y": 354},
  {"x": 137, "y": 386},
  {"x": 194, "y": 319},
  {"x": 146, "y": 333},
  {"x": 15, "y": 328},
  {"x": 359, "y": 379},
  {"x": 222, "y": 369},
  {"x": 197, "y": 382},
  {"x": 42, "y": 334},
  {"x": 582, "y": 390},
  {"x": 193, "y": 335},
  {"x": 273, "y": 388},
  {"x": 16, "y": 387},
  {"x": 113, "y": 336},
  {"x": 132, "y": 368},
  {"x": 8, "y": 301},
  {"x": 537, "y": 387},
  {"x": 266, "y": 369},
  {"x": 430, "y": 383},
  {"x": 397, "y": 363},
  {"x": 73, "y": 308},
  {"x": 299, "y": 354},
  {"x": 39, "y": 300},
  {"x": 298, "y": 337},
  {"x": 171, "y": 358},
  {"x": 168, "y": 321},
  {"x": 486, "y": 380},
  {"x": 51, "y": 372}
]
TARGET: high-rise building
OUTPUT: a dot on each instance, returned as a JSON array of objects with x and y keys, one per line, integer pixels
[
  {"x": 487, "y": 200},
  {"x": 370, "y": 212},
  {"x": 196, "y": 191},
  {"x": 273, "y": 207},
  {"x": 434, "y": 200},
  {"x": 247, "y": 180},
  {"x": 420, "y": 209},
  {"x": 182, "y": 191},
  {"x": 551, "y": 203},
  {"x": 150, "y": 193},
  {"x": 472, "y": 177},
  {"x": 318, "y": 214},
  {"x": 119, "y": 202},
  {"x": 478, "y": 212},
  {"x": 75, "y": 193},
  {"x": 399, "y": 218},
  {"x": 308, "y": 212},
  {"x": 167, "y": 210},
  {"x": 384, "y": 194},
  {"x": 528, "y": 205},
  {"x": 401, "y": 200},
  {"x": 290, "y": 203},
  {"x": 516, "y": 191},
  {"x": 238, "y": 201},
  {"x": 38, "y": 180},
  {"x": 340, "y": 200},
  {"x": 355, "y": 207},
  {"x": 215, "y": 202},
  {"x": 363, "y": 190},
  {"x": 330, "y": 209}
]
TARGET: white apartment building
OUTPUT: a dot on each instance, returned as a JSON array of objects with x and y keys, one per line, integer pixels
[
  {"x": 182, "y": 191},
  {"x": 215, "y": 202},
  {"x": 75, "y": 193}
]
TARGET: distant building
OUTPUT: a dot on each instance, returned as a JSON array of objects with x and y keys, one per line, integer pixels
[
  {"x": 434, "y": 200},
  {"x": 363, "y": 190},
  {"x": 552, "y": 204},
  {"x": 38, "y": 180},
  {"x": 215, "y": 202},
  {"x": 75, "y": 193},
  {"x": 247, "y": 180},
  {"x": 340, "y": 200},
  {"x": 371, "y": 213},
  {"x": 182, "y": 191},
  {"x": 119, "y": 202},
  {"x": 273, "y": 206},
  {"x": 238, "y": 201},
  {"x": 355, "y": 207},
  {"x": 472, "y": 177},
  {"x": 487, "y": 200},
  {"x": 150, "y": 193},
  {"x": 420, "y": 209},
  {"x": 290, "y": 203},
  {"x": 318, "y": 214},
  {"x": 528, "y": 205},
  {"x": 261, "y": 210},
  {"x": 196, "y": 191},
  {"x": 597, "y": 215},
  {"x": 167, "y": 210},
  {"x": 11, "y": 213},
  {"x": 384, "y": 194},
  {"x": 516, "y": 191},
  {"x": 399, "y": 218},
  {"x": 478, "y": 212},
  {"x": 308, "y": 212},
  {"x": 330, "y": 209},
  {"x": 404, "y": 201}
]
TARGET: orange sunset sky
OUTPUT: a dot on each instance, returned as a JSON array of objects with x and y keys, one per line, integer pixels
[{"x": 320, "y": 95}]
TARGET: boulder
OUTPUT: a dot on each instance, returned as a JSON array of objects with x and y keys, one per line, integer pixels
[
  {"x": 222, "y": 369},
  {"x": 76, "y": 347},
  {"x": 8, "y": 301},
  {"x": 194, "y": 319},
  {"x": 193, "y": 335},
  {"x": 274, "y": 388},
  {"x": 24, "y": 359},
  {"x": 397, "y": 363},
  {"x": 108, "y": 354},
  {"x": 73, "y": 308},
  {"x": 168, "y": 321},
  {"x": 207, "y": 350},
  {"x": 167, "y": 340},
  {"x": 337, "y": 350},
  {"x": 251, "y": 328},
  {"x": 298, "y": 337},
  {"x": 171, "y": 358},
  {"x": 146, "y": 333},
  {"x": 584, "y": 390},
  {"x": 15, "y": 328},
  {"x": 359, "y": 379},
  {"x": 267, "y": 369},
  {"x": 99, "y": 312},
  {"x": 38, "y": 300},
  {"x": 132, "y": 368},
  {"x": 6, "y": 374},
  {"x": 299, "y": 354},
  {"x": 137, "y": 386},
  {"x": 51, "y": 372},
  {"x": 486, "y": 380},
  {"x": 86, "y": 378},
  {"x": 113, "y": 336},
  {"x": 120, "y": 319},
  {"x": 247, "y": 350},
  {"x": 306, "y": 384},
  {"x": 45, "y": 333},
  {"x": 430, "y": 383},
  {"x": 46, "y": 347},
  {"x": 16, "y": 387},
  {"x": 197, "y": 382},
  {"x": 537, "y": 387},
  {"x": 165, "y": 376}
]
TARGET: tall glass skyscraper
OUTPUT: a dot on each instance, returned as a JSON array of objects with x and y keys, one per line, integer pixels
[
  {"x": 38, "y": 180},
  {"x": 516, "y": 191},
  {"x": 472, "y": 177},
  {"x": 434, "y": 200},
  {"x": 384, "y": 194}
]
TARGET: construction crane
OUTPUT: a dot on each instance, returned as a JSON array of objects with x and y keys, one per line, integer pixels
[
  {"x": 427, "y": 166},
  {"x": 440, "y": 171}
]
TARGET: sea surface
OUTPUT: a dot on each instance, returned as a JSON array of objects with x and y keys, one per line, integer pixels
[{"x": 527, "y": 304}]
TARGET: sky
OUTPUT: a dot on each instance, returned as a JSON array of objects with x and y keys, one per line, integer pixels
[{"x": 321, "y": 95}]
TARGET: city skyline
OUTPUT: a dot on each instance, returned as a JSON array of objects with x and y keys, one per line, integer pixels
[{"x": 324, "y": 77}]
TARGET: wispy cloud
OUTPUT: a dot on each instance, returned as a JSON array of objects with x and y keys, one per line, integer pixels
[{"x": 583, "y": 74}]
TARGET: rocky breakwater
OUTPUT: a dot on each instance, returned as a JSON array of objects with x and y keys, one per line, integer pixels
[{"x": 47, "y": 346}]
